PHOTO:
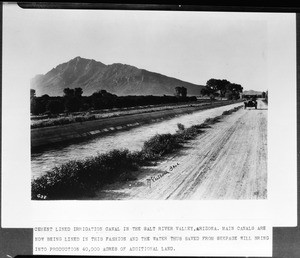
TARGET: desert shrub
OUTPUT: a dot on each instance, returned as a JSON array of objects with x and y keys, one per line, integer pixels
[
  {"x": 213, "y": 120},
  {"x": 160, "y": 144},
  {"x": 227, "y": 112},
  {"x": 143, "y": 158},
  {"x": 217, "y": 118},
  {"x": 75, "y": 178},
  {"x": 187, "y": 134},
  {"x": 180, "y": 127},
  {"x": 208, "y": 121},
  {"x": 194, "y": 130},
  {"x": 199, "y": 127},
  {"x": 237, "y": 108}
]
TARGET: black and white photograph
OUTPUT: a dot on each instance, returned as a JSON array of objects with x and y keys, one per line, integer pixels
[
  {"x": 159, "y": 131},
  {"x": 148, "y": 105}
]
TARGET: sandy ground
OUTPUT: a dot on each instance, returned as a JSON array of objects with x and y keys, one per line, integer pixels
[{"x": 227, "y": 161}]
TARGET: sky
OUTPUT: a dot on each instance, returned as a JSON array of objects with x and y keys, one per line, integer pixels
[{"x": 191, "y": 46}]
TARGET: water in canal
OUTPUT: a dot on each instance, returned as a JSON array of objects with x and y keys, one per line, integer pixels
[{"x": 132, "y": 140}]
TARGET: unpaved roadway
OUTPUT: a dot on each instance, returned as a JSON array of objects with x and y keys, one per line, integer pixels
[{"x": 227, "y": 161}]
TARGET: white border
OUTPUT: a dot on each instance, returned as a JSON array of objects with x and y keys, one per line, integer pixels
[{"x": 19, "y": 211}]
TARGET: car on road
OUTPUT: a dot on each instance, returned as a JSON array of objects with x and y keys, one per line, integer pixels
[{"x": 250, "y": 103}]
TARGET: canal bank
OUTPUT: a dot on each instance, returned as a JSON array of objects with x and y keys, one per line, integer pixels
[{"x": 47, "y": 136}]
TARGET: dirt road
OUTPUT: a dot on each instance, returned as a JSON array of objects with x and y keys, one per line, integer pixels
[{"x": 227, "y": 161}]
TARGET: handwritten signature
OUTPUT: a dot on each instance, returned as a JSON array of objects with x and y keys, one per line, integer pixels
[
  {"x": 159, "y": 176},
  {"x": 171, "y": 168}
]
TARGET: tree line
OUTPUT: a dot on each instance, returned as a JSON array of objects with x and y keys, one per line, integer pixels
[
  {"x": 73, "y": 101},
  {"x": 222, "y": 88}
]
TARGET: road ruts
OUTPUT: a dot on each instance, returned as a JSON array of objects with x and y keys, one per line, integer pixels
[{"x": 228, "y": 161}]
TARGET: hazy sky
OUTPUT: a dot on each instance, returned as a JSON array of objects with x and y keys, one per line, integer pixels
[{"x": 191, "y": 46}]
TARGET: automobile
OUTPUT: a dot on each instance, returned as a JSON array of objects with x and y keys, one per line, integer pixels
[{"x": 250, "y": 103}]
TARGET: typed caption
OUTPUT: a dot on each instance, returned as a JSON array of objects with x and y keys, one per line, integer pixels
[{"x": 159, "y": 238}]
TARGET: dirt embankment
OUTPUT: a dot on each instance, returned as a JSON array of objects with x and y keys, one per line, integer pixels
[{"x": 228, "y": 161}]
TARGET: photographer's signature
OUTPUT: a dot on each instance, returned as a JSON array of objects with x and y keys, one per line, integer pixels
[{"x": 153, "y": 179}]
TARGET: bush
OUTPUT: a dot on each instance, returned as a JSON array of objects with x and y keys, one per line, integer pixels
[
  {"x": 237, "y": 108},
  {"x": 208, "y": 121},
  {"x": 143, "y": 158},
  {"x": 217, "y": 118},
  {"x": 187, "y": 134},
  {"x": 180, "y": 126},
  {"x": 75, "y": 178},
  {"x": 160, "y": 144},
  {"x": 227, "y": 112}
]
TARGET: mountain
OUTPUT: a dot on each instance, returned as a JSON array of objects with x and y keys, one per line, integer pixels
[
  {"x": 252, "y": 92},
  {"x": 120, "y": 79}
]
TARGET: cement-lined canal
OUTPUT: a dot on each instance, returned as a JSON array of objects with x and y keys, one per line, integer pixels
[{"x": 132, "y": 140}]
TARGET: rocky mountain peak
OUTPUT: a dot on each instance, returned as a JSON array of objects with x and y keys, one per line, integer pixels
[{"x": 117, "y": 78}]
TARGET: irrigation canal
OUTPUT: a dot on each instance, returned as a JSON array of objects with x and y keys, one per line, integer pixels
[{"x": 132, "y": 139}]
